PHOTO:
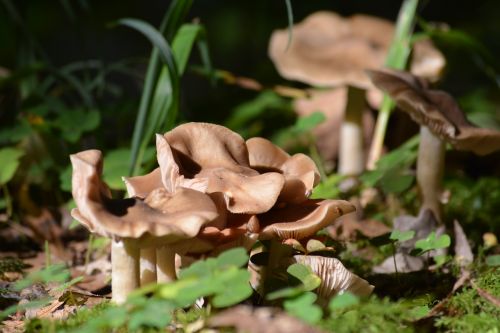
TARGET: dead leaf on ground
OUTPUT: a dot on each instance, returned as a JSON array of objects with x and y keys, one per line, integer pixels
[
  {"x": 259, "y": 320},
  {"x": 348, "y": 226},
  {"x": 463, "y": 252}
]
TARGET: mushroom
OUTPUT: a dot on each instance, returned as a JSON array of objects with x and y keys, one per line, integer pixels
[
  {"x": 328, "y": 50},
  {"x": 300, "y": 172},
  {"x": 441, "y": 120},
  {"x": 335, "y": 278},
  {"x": 212, "y": 159},
  {"x": 159, "y": 220}
]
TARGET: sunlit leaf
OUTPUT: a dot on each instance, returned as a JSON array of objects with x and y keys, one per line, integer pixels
[
  {"x": 342, "y": 301},
  {"x": 9, "y": 162}
]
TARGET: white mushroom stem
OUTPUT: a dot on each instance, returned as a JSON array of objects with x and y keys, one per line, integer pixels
[
  {"x": 148, "y": 266},
  {"x": 430, "y": 169},
  {"x": 351, "y": 152},
  {"x": 165, "y": 265},
  {"x": 125, "y": 269}
]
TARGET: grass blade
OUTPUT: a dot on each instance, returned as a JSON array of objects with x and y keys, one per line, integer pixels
[
  {"x": 396, "y": 58},
  {"x": 175, "y": 15}
]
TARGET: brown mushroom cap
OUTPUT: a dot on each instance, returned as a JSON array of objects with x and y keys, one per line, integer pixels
[
  {"x": 202, "y": 145},
  {"x": 200, "y": 153},
  {"x": 437, "y": 110},
  {"x": 163, "y": 216},
  {"x": 300, "y": 171},
  {"x": 328, "y": 50},
  {"x": 301, "y": 221},
  {"x": 335, "y": 278}
]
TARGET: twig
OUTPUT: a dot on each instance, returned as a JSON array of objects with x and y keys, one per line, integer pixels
[{"x": 486, "y": 295}]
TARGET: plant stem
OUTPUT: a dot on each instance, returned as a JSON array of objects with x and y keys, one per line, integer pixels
[{"x": 396, "y": 58}]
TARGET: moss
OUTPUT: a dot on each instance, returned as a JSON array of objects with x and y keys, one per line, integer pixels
[
  {"x": 376, "y": 315},
  {"x": 11, "y": 265},
  {"x": 469, "y": 312},
  {"x": 67, "y": 325}
]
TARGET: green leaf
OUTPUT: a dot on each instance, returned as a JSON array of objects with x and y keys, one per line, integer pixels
[
  {"x": 307, "y": 124},
  {"x": 314, "y": 245},
  {"x": 343, "y": 301},
  {"x": 54, "y": 273},
  {"x": 328, "y": 188},
  {"x": 65, "y": 178},
  {"x": 397, "y": 183},
  {"x": 115, "y": 167},
  {"x": 164, "y": 100},
  {"x": 9, "y": 162},
  {"x": 432, "y": 242},
  {"x": 441, "y": 259},
  {"x": 234, "y": 291},
  {"x": 402, "y": 236},
  {"x": 151, "y": 313},
  {"x": 493, "y": 260},
  {"x": 73, "y": 123},
  {"x": 183, "y": 43},
  {"x": 305, "y": 275},
  {"x": 303, "y": 307},
  {"x": 234, "y": 257},
  {"x": 254, "y": 108}
]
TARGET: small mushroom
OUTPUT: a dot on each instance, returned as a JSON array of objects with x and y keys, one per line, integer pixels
[
  {"x": 441, "y": 120},
  {"x": 159, "y": 220},
  {"x": 335, "y": 278},
  {"x": 328, "y": 50}
]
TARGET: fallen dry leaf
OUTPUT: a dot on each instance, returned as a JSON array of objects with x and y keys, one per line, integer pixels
[
  {"x": 463, "y": 252},
  {"x": 246, "y": 319}
]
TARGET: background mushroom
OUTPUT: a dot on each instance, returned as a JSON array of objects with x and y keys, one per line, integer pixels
[
  {"x": 328, "y": 50},
  {"x": 441, "y": 120},
  {"x": 335, "y": 278},
  {"x": 132, "y": 223}
]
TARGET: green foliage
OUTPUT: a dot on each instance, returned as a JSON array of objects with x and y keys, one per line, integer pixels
[
  {"x": 402, "y": 236},
  {"x": 328, "y": 188},
  {"x": 211, "y": 278},
  {"x": 469, "y": 312},
  {"x": 342, "y": 301},
  {"x": 373, "y": 315},
  {"x": 303, "y": 307},
  {"x": 10, "y": 162},
  {"x": 54, "y": 273},
  {"x": 308, "y": 281},
  {"x": 73, "y": 123},
  {"x": 493, "y": 260},
  {"x": 247, "y": 118},
  {"x": 392, "y": 172},
  {"x": 432, "y": 242},
  {"x": 474, "y": 203}
]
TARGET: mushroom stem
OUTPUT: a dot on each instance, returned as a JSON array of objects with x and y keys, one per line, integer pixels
[
  {"x": 125, "y": 268},
  {"x": 430, "y": 169},
  {"x": 148, "y": 266},
  {"x": 351, "y": 153},
  {"x": 277, "y": 251},
  {"x": 165, "y": 265}
]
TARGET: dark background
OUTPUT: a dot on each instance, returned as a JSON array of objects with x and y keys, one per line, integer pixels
[{"x": 238, "y": 31}]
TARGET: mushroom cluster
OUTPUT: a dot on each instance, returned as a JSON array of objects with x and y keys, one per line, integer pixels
[
  {"x": 211, "y": 191},
  {"x": 331, "y": 51}
]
